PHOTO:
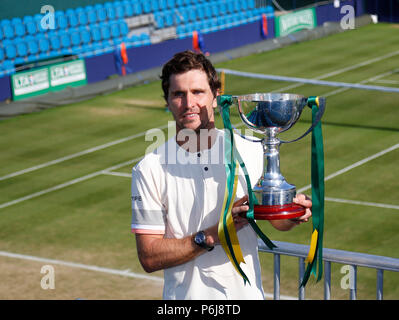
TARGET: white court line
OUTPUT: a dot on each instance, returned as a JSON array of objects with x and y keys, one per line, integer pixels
[
  {"x": 68, "y": 183},
  {"x": 354, "y": 165},
  {"x": 343, "y": 70},
  {"x": 363, "y": 203},
  {"x": 125, "y": 273},
  {"x": 118, "y": 174},
  {"x": 78, "y": 154},
  {"x": 112, "y": 143}
]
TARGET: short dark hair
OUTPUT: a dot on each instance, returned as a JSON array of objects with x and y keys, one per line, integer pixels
[{"x": 185, "y": 61}]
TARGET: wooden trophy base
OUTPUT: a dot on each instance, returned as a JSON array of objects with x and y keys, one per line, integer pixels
[{"x": 278, "y": 212}]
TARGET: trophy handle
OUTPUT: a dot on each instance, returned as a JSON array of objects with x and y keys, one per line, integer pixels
[{"x": 322, "y": 107}]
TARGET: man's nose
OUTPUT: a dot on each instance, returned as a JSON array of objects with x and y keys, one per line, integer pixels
[{"x": 189, "y": 100}]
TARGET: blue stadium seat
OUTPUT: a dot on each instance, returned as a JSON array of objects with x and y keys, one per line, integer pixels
[
  {"x": 44, "y": 46},
  {"x": 115, "y": 31},
  {"x": 75, "y": 37},
  {"x": 91, "y": 16},
  {"x": 208, "y": 10},
  {"x": 157, "y": 5},
  {"x": 191, "y": 14},
  {"x": 128, "y": 8},
  {"x": 159, "y": 20},
  {"x": 8, "y": 31},
  {"x": 162, "y": 5},
  {"x": 182, "y": 16},
  {"x": 123, "y": 27},
  {"x": 171, "y": 4},
  {"x": 101, "y": 14},
  {"x": 111, "y": 15},
  {"x": 215, "y": 9},
  {"x": 55, "y": 42},
  {"x": 65, "y": 40},
  {"x": 251, "y": 4},
  {"x": 19, "y": 28},
  {"x": 72, "y": 18},
  {"x": 137, "y": 9},
  {"x": 95, "y": 33},
  {"x": 85, "y": 35},
  {"x": 181, "y": 31},
  {"x": 200, "y": 11},
  {"x": 168, "y": 16},
  {"x": 1, "y": 54},
  {"x": 8, "y": 67},
  {"x": 61, "y": 20},
  {"x": 105, "y": 32},
  {"x": 31, "y": 27},
  {"x": 11, "y": 51},
  {"x": 119, "y": 10},
  {"x": 82, "y": 17},
  {"x": 22, "y": 49},
  {"x": 146, "y": 6}
]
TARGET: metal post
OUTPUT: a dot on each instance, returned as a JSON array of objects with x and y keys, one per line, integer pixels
[
  {"x": 276, "y": 276},
  {"x": 380, "y": 284},
  {"x": 327, "y": 280},
  {"x": 353, "y": 283},
  {"x": 301, "y": 293}
]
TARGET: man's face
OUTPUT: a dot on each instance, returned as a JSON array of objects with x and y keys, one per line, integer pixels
[{"x": 191, "y": 100}]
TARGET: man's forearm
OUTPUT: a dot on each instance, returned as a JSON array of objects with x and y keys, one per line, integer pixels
[{"x": 157, "y": 253}]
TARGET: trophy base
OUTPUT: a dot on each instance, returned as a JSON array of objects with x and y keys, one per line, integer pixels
[{"x": 278, "y": 212}]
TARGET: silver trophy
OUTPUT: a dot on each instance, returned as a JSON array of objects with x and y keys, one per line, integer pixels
[{"x": 270, "y": 114}]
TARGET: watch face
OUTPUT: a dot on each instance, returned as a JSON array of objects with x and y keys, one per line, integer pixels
[{"x": 200, "y": 238}]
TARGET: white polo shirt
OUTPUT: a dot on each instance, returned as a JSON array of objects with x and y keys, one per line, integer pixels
[{"x": 177, "y": 193}]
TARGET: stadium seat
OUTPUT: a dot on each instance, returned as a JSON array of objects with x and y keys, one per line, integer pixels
[
  {"x": 8, "y": 31},
  {"x": 137, "y": 9},
  {"x": 119, "y": 10},
  {"x": 110, "y": 11},
  {"x": 61, "y": 20},
  {"x": 200, "y": 11},
  {"x": 8, "y": 67},
  {"x": 1, "y": 54},
  {"x": 115, "y": 31},
  {"x": 95, "y": 33},
  {"x": 75, "y": 37},
  {"x": 146, "y": 6},
  {"x": 162, "y": 5},
  {"x": 170, "y": 4},
  {"x": 65, "y": 40},
  {"x": 91, "y": 16},
  {"x": 82, "y": 17},
  {"x": 191, "y": 14},
  {"x": 72, "y": 18},
  {"x": 105, "y": 32},
  {"x": 19, "y": 28},
  {"x": 128, "y": 8},
  {"x": 101, "y": 14},
  {"x": 22, "y": 49},
  {"x": 157, "y": 5},
  {"x": 159, "y": 20},
  {"x": 11, "y": 51},
  {"x": 123, "y": 27},
  {"x": 85, "y": 35},
  {"x": 55, "y": 42},
  {"x": 168, "y": 18},
  {"x": 31, "y": 27},
  {"x": 44, "y": 47}
]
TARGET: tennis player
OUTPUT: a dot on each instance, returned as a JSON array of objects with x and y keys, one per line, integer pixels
[{"x": 178, "y": 192}]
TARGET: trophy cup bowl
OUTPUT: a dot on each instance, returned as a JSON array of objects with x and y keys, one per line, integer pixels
[{"x": 270, "y": 114}]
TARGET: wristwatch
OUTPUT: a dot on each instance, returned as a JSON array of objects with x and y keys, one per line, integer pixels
[{"x": 200, "y": 240}]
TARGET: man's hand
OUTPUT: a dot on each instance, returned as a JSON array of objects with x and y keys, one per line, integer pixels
[{"x": 304, "y": 201}]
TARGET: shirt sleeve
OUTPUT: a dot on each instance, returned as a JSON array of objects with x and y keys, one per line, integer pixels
[{"x": 148, "y": 212}]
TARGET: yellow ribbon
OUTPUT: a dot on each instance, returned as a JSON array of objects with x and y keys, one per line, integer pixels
[
  {"x": 313, "y": 245},
  {"x": 230, "y": 226}
]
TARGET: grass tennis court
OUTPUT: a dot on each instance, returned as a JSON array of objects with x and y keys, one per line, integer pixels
[{"x": 65, "y": 187}]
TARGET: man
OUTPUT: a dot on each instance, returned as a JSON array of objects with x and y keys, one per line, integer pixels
[{"x": 178, "y": 192}]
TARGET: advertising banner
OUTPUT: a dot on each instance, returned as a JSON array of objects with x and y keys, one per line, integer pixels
[
  {"x": 295, "y": 21},
  {"x": 51, "y": 78}
]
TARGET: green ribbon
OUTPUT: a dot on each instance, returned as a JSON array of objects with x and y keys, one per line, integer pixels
[
  {"x": 232, "y": 154},
  {"x": 317, "y": 176}
]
